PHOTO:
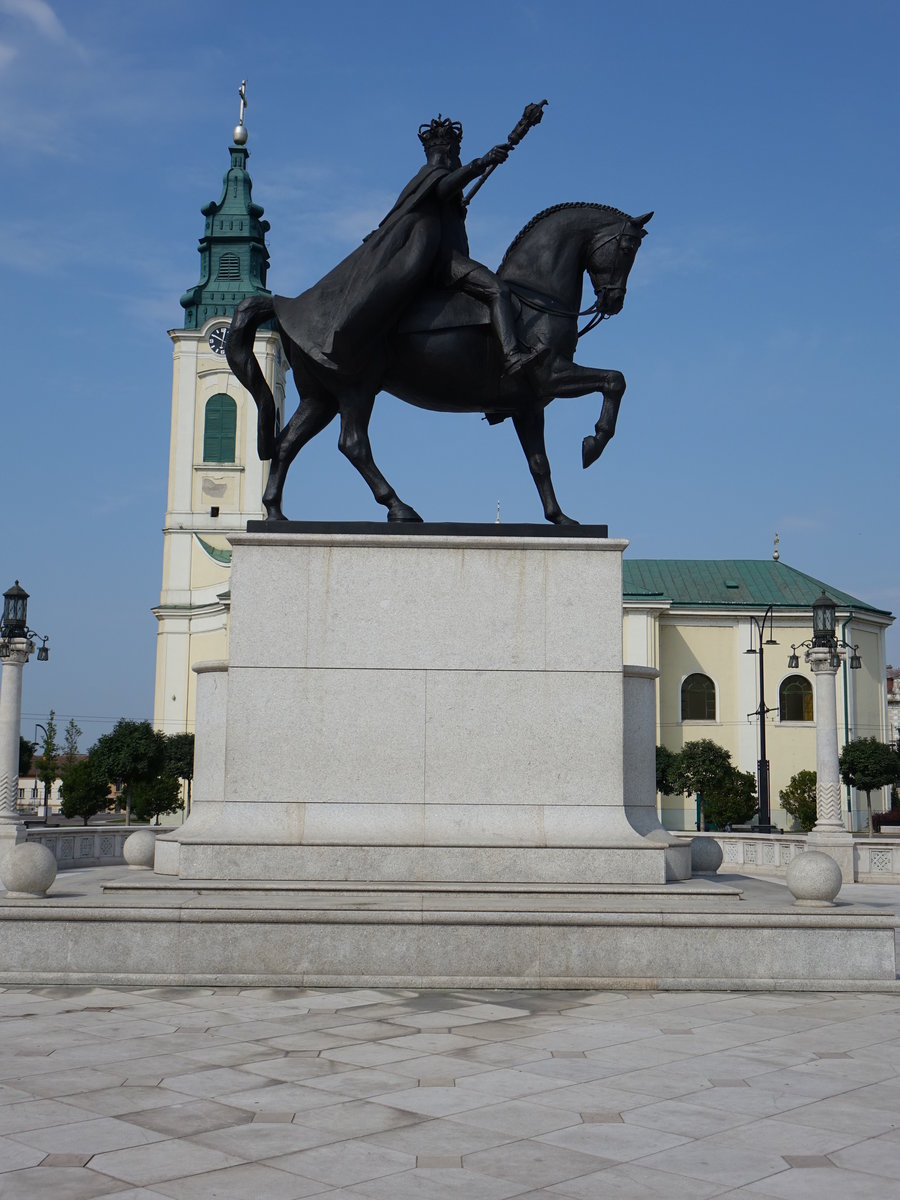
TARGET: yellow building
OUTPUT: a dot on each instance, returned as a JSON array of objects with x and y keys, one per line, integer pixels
[
  {"x": 696, "y": 620},
  {"x": 215, "y": 476}
]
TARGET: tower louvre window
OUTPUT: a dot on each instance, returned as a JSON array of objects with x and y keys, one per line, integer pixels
[
  {"x": 219, "y": 429},
  {"x": 229, "y": 267}
]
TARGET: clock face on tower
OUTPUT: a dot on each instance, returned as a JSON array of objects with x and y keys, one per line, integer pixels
[{"x": 216, "y": 339}]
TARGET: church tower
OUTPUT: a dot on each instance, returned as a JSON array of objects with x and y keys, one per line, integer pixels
[{"x": 215, "y": 477}]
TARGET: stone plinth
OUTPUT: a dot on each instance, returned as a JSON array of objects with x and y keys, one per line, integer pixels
[{"x": 425, "y": 706}]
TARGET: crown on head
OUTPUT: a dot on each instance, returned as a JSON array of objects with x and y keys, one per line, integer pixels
[{"x": 440, "y": 131}]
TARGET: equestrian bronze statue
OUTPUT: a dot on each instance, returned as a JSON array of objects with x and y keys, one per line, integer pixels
[{"x": 411, "y": 313}]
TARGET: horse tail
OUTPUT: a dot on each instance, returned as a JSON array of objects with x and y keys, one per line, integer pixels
[{"x": 248, "y": 316}]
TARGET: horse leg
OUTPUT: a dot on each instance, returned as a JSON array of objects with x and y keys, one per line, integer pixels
[
  {"x": 569, "y": 380},
  {"x": 314, "y": 413},
  {"x": 530, "y": 428},
  {"x": 356, "y": 409}
]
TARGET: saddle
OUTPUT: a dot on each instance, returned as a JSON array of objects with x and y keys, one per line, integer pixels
[
  {"x": 443, "y": 308},
  {"x": 446, "y": 308}
]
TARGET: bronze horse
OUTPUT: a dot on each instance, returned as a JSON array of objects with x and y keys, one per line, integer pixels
[{"x": 443, "y": 355}]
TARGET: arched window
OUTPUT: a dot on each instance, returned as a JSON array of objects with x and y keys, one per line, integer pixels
[
  {"x": 795, "y": 699},
  {"x": 698, "y": 699},
  {"x": 219, "y": 429}
]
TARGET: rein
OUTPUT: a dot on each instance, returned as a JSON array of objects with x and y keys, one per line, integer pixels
[{"x": 594, "y": 311}]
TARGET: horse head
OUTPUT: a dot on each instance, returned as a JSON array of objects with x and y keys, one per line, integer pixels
[{"x": 610, "y": 257}]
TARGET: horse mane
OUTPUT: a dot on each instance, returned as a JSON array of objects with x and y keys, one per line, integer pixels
[{"x": 548, "y": 212}]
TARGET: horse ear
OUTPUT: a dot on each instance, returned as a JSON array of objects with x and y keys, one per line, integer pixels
[{"x": 644, "y": 219}]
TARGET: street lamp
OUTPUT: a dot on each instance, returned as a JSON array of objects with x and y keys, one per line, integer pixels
[
  {"x": 16, "y": 647},
  {"x": 43, "y": 729},
  {"x": 825, "y": 652},
  {"x": 765, "y": 813}
]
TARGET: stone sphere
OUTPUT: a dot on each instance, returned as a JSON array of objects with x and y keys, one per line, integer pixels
[
  {"x": 28, "y": 869},
  {"x": 140, "y": 848},
  {"x": 813, "y": 878},
  {"x": 706, "y": 856}
]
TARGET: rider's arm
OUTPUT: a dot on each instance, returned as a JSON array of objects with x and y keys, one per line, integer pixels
[{"x": 457, "y": 180}]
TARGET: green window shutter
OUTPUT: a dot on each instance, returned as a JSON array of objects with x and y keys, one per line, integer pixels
[{"x": 219, "y": 429}]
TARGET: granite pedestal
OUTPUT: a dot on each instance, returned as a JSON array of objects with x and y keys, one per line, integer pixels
[{"x": 430, "y": 707}]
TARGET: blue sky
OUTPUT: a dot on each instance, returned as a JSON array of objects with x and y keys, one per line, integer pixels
[{"x": 758, "y": 338}]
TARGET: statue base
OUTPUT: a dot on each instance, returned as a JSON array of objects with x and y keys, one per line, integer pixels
[{"x": 406, "y": 704}]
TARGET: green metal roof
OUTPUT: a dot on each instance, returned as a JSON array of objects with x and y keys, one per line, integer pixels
[
  {"x": 233, "y": 255},
  {"x": 729, "y": 583}
]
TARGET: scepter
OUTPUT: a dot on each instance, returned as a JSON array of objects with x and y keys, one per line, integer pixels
[{"x": 530, "y": 117}]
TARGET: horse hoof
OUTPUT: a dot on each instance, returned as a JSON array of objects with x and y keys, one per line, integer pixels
[
  {"x": 591, "y": 449},
  {"x": 562, "y": 519},
  {"x": 403, "y": 512},
  {"x": 274, "y": 514}
]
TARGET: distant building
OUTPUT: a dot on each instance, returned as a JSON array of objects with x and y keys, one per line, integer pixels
[
  {"x": 216, "y": 479},
  {"x": 692, "y": 620},
  {"x": 893, "y": 705}
]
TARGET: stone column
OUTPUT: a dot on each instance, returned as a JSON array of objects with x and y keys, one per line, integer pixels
[
  {"x": 639, "y": 768},
  {"x": 829, "y": 834},
  {"x": 12, "y": 829},
  {"x": 209, "y": 766}
]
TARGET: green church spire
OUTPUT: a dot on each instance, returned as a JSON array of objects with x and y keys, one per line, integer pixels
[{"x": 233, "y": 254}]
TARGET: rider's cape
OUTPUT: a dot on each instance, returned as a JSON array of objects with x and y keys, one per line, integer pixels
[{"x": 363, "y": 296}]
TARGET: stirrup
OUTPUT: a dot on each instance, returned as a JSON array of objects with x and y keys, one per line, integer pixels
[{"x": 517, "y": 359}]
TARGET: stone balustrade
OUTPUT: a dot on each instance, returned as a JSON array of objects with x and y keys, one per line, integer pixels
[
  {"x": 88, "y": 846},
  {"x": 875, "y": 860}
]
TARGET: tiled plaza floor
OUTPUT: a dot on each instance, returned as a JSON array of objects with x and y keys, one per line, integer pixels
[{"x": 276, "y": 1094}]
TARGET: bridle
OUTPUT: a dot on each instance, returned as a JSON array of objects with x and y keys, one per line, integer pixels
[{"x": 595, "y": 310}]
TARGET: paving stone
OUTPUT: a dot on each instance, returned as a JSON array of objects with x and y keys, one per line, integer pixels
[
  {"x": 357, "y": 1118},
  {"x": 57, "y": 1183},
  {"x": 15, "y": 1154},
  {"x": 192, "y": 1116},
  {"x": 438, "y": 1184},
  {"x": 237, "y": 1183},
  {"x": 346, "y": 1163},
  {"x": 88, "y": 1137},
  {"x": 534, "y": 1162},
  {"x": 630, "y": 1181},
  {"x": 519, "y": 1118},
  {"x": 162, "y": 1161}
]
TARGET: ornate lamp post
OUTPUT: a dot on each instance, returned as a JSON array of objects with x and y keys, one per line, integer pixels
[
  {"x": 825, "y": 652},
  {"x": 765, "y": 811},
  {"x": 16, "y": 647}
]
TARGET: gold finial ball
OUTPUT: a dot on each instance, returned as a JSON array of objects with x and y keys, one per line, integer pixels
[{"x": 240, "y": 135}]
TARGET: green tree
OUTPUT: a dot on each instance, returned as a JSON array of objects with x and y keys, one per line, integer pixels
[
  {"x": 84, "y": 792},
  {"x": 799, "y": 799},
  {"x": 666, "y": 762},
  {"x": 26, "y": 755},
  {"x": 150, "y": 798},
  {"x": 70, "y": 751},
  {"x": 133, "y": 753},
  {"x": 180, "y": 762},
  {"x": 732, "y": 800},
  {"x": 702, "y": 768},
  {"x": 48, "y": 762},
  {"x": 868, "y": 765}
]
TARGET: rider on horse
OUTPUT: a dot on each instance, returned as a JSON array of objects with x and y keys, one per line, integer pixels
[{"x": 422, "y": 241}]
